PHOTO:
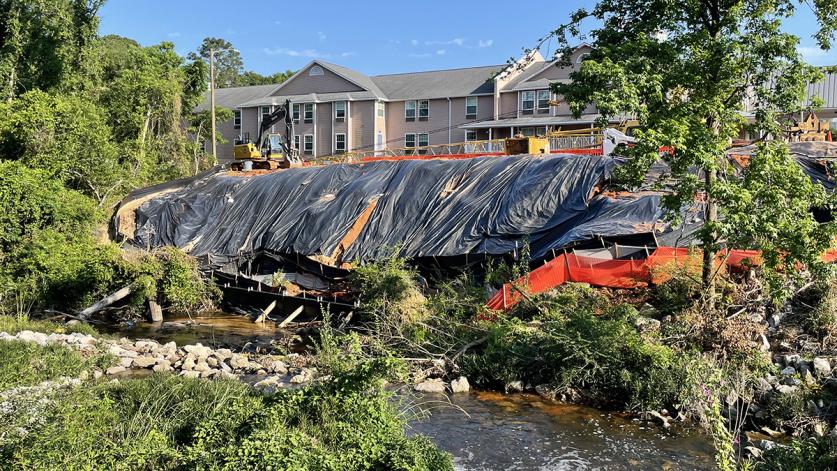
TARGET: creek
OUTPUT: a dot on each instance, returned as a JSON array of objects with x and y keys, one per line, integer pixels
[{"x": 483, "y": 430}]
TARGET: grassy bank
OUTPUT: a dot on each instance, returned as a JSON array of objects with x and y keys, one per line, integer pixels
[{"x": 169, "y": 422}]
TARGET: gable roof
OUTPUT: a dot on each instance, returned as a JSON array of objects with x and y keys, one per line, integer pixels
[
  {"x": 438, "y": 83},
  {"x": 355, "y": 77},
  {"x": 234, "y": 96}
]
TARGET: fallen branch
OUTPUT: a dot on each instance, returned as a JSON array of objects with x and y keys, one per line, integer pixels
[
  {"x": 468, "y": 346},
  {"x": 105, "y": 302}
]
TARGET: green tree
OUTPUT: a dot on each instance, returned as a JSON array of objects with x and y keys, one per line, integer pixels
[
  {"x": 44, "y": 43},
  {"x": 228, "y": 63},
  {"x": 254, "y": 78},
  {"x": 686, "y": 71}
]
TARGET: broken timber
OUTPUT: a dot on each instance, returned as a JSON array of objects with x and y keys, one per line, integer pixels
[{"x": 105, "y": 302}]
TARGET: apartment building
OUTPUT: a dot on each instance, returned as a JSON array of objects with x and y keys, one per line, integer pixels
[{"x": 336, "y": 109}]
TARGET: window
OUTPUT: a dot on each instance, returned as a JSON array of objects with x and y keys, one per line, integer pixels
[
  {"x": 409, "y": 140},
  {"x": 423, "y": 141},
  {"x": 316, "y": 70},
  {"x": 264, "y": 114},
  {"x": 543, "y": 101},
  {"x": 470, "y": 136},
  {"x": 295, "y": 113},
  {"x": 237, "y": 119},
  {"x": 527, "y": 102},
  {"x": 339, "y": 111},
  {"x": 380, "y": 107},
  {"x": 423, "y": 110},
  {"x": 528, "y": 132},
  {"x": 296, "y": 142},
  {"x": 471, "y": 107},
  {"x": 410, "y": 110},
  {"x": 339, "y": 143},
  {"x": 308, "y": 144},
  {"x": 308, "y": 114}
]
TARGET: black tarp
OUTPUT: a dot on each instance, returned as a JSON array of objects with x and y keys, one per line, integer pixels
[{"x": 424, "y": 208}]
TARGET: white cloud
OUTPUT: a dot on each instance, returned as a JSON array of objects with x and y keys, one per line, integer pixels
[
  {"x": 482, "y": 43},
  {"x": 348, "y": 53},
  {"x": 420, "y": 55},
  {"x": 174, "y": 34},
  {"x": 283, "y": 51},
  {"x": 321, "y": 36},
  {"x": 450, "y": 42},
  {"x": 414, "y": 42},
  {"x": 817, "y": 56},
  {"x": 277, "y": 22},
  {"x": 394, "y": 41},
  {"x": 441, "y": 52}
]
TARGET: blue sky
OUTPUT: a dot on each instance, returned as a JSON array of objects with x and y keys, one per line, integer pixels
[{"x": 373, "y": 37}]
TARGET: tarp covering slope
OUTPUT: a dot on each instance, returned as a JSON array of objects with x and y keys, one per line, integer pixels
[{"x": 424, "y": 208}]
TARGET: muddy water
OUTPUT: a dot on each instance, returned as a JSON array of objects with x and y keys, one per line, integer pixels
[
  {"x": 491, "y": 431},
  {"x": 485, "y": 431}
]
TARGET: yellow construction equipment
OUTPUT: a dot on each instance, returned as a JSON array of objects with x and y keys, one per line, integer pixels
[
  {"x": 269, "y": 151},
  {"x": 527, "y": 145}
]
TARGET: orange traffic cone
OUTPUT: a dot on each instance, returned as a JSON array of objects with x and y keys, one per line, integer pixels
[{"x": 828, "y": 138}]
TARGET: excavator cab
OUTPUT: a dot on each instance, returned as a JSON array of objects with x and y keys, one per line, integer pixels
[{"x": 269, "y": 151}]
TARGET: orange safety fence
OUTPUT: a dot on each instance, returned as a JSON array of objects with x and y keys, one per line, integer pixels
[
  {"x": 610, "y": 273},
  {"x": 429, "y": 157}
]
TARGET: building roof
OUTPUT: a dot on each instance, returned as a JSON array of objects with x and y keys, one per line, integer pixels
[
  {"x": 438, "y": 83},
  {"x": 309, "y": 98},
  {"x": 233, "y": 97},
  {"x": 825, "y": 89}
]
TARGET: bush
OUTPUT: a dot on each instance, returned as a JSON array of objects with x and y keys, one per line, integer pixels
[
  {"x": 567, "y": 345},
  {"x": 166, "y": 422},
  {"x": 27, "y": 364},
  {"x": 812, "y": 454}
]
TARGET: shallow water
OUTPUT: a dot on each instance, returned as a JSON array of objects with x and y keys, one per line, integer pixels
[
  {"x": 525, "y": 432},
  {"x": 484, "y": 430}
]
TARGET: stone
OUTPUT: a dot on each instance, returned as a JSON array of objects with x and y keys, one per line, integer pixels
[
  {"x": 36, "y": 337},
  {"x": 208, "y": 373},
  {"x": 144, "y": 362},
  {"x": 822, "y": 367},
  {"x": 198, "y": 350},
  {"x": 786, "y": 389},
  {"x": 514, "y": 387},
  {"x": 190, "y": 374},
  {"x": 301, "y": 378},
  {"x": 765, "y": 345},
  {"x": 188, "y": 364},
  {"x": 791, "y": 381},
  {"x": 212, "y": 361},
  {"x": 223, "y": 353},
  {"x": 126, "y": 362},
  {"x": 239, "y": 361},
  {"x": 202, "y": 366},
  {"x": 113, "y": 370},
  {"x": 460, "y": 385},
  {"x": 789, "y": 371},
  {"x": 546, "y": 391},
  {"x": 657, "y": 418},
  {"x": 763, "y": 385},
  {"x": 269, "y": 381},
  {"x": 162, "y": 367},
  {"x": 434, "y": 385},
  {"x": 647, "y": 324}
]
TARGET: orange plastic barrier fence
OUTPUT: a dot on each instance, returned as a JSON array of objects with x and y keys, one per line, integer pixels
[
  {"x": 570, "y": 267},
  {"x": 429, "y": 157}
]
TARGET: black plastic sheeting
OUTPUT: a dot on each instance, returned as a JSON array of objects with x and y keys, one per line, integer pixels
[{"x": 425, "y": 208}]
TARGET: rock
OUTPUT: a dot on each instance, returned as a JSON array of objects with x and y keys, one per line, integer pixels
[
  {"x": 546, "y": 391},
  {"x": 126, "y": 362},
  {"x": 301, "y": 378},
  {"x": 113, "y": 370},
  {"x": 97, "y": 374},
  {"x": 819, "y": 429},
  {"x": 274, "y": 365},
  {"x": 188, "y": 364},
  {"x": 822, "y": 367},
  {"x": 771, "y": 433},
  {"x": 753, "y": 452},
  {"x": 647, "y": 310},
  {"x": 792, "y": 360},
  {"x": 647, "y": 324},
  {"x": 202, "y": 366},
  {"x": 763, "y": 385},
  {"x": 144, "y": 362},
  {"x": 789, "y": 371},
  {"x": 190, "y": 374},
  {"x": 146, "y": 346},
  {"x": 212, "y": 361},
  {"x": 208, "y": 373},
  {"x": 198, "y": 350},
  {"x": 657, "y": 418},
  {"x": 786, "y": 389},
  {"x": 460, "y": 385},
  {"x": 162, "y": 365},
  {"x": 514, "y": 387},
  {"x": 223, "y": 353},
  {"x": 765, "y": 345},
  {"x": 792, "y": 381},
  {"x": 434, "y": 385},
  {"x": 269, "y": 381},
  {"x": 239, "y": 361},
  {"x": 36, "y": 337}
]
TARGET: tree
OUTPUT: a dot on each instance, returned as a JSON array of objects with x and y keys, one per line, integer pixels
[
  {"x": 43, "y": 43},
  {"x": 254, "y": 78},
  {"x": 686, "y": 70},
  {"x": 228, "y": 63}
]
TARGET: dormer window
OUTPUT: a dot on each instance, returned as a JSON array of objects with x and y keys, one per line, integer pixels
[{"x": 316, "y": 70}]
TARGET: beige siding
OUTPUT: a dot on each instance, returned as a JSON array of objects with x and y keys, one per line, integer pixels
[
  {"x": 485, "y": 111},
  {"x": 325, "y": 133},
  {"x": 343, "y": 128},
  {"x": 250, "y": 122},
  {"x": 230, "y": 134},
  {"x": 363, "y": 125},
  {"x": 436, "y": 125},
  {"x": 381, "y": 126},
  {"x": 302, "y": 128},
  {"x": 508, "y": 105},
  {"x": 329, "y": 82}
]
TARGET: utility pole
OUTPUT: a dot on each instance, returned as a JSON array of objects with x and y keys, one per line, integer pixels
[{"x": 212, "y": 98}]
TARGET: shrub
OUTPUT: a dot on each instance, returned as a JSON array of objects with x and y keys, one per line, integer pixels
[
  {"x": 800, "y": 455},
  {"x": 27, "y": 364}
]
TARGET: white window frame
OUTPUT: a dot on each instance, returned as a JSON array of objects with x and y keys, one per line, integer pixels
[
  {"x": 410, "y": 137},
  {"x": 380, "y": 109},
  {"x": 337, "y": 149},
  {"x": 523, "y": 100},
  {"x": 316, "y": 71},
  {"x": 425, "y": 137},
  {"x": 538, "y": 100},
  {"x": 262, "y": 114},
  {"x": 410, "y": 105},
  {"x": 305, "y": 142},
  {"x": 338, "y": 118},
  {"x": 295, "y": 113},
  {"x": 475, "y": 105},
  {"x": 297, "y": 141},
  {"x": 237, "y": 119},
  {"x": 470, "y": 136},
  {"x": 426, "y": 108},
  {"x": 305, "y": 113}
]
